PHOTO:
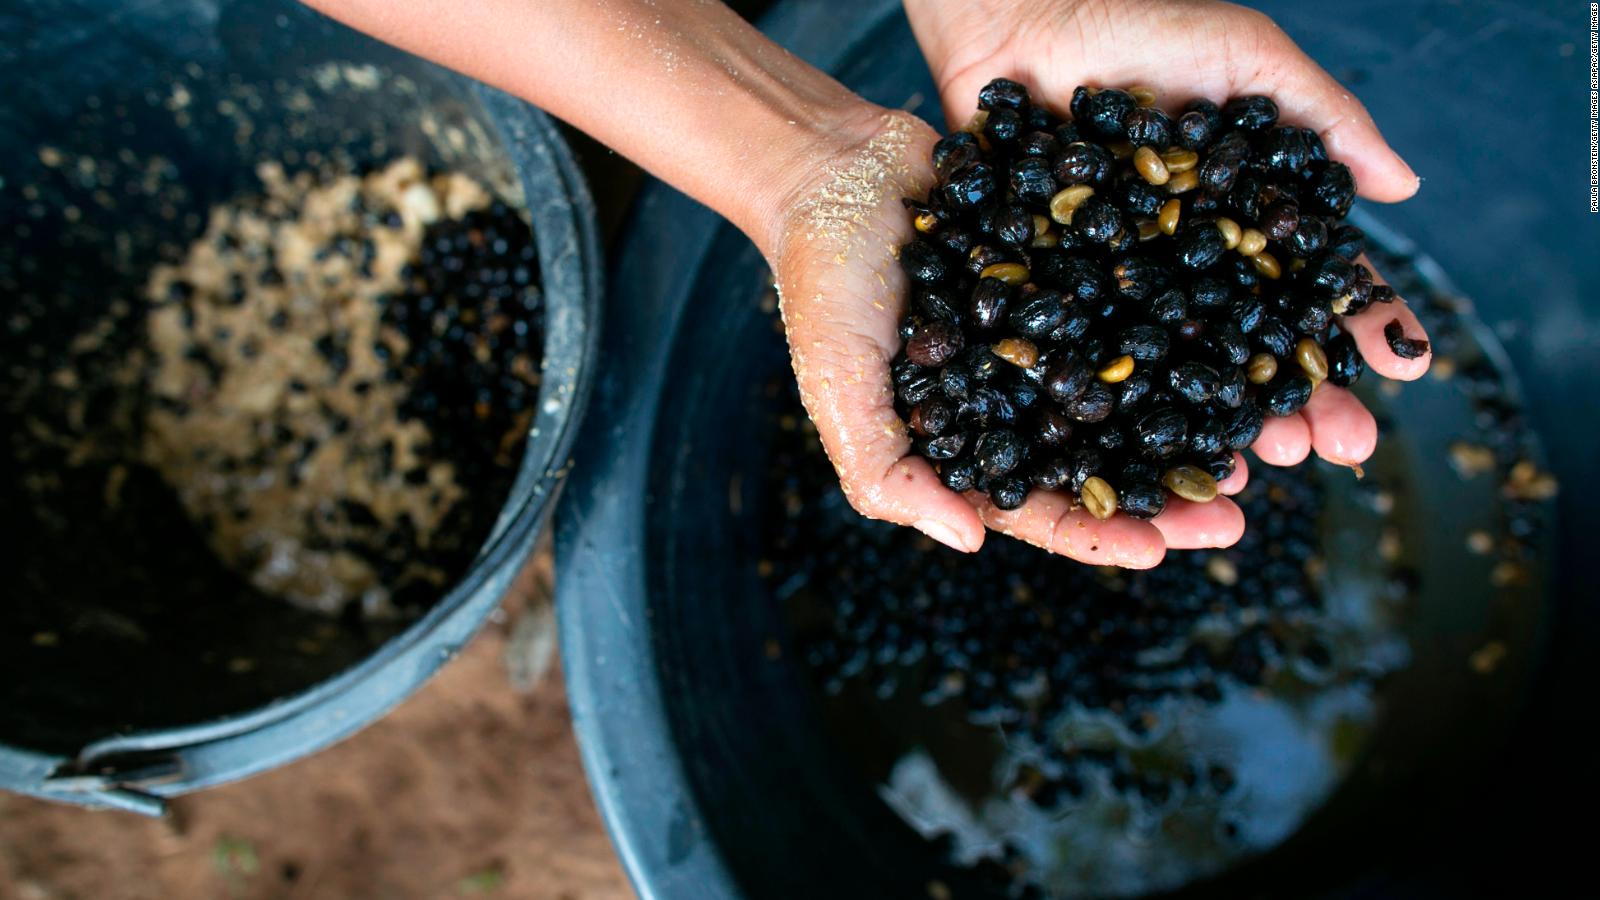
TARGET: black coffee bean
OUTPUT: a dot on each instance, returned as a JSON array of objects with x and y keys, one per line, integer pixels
[
  {"x": 955, "y": 381},
  {"x": 1138, "y": 276},
  {"x": 1141, "y": 198},
  {"x": 981, "y": 363},
  {"x": 1083, "y": 163},
  {"x": 998, "y": 452},
  {"x": 1111, "y": 438},
  {"x": 1313, "y": 318},
  {"x": 1008, "y": 493},
  {"x": 1011, "y": 224},
  {"x": 1200, "y": 122},
  {"x": 1348, "y": 242},
  {"x": 1221, "y": 466},
  {"x": 954, "y": 152},
  {"x": 923, "y": 264},
  {"x": 1287, "y": 396},
  {"x": 1244, "y": 427},
  {"x": 1169, "y": 307},
  {"x": 1227, "y": 343},
  {"x": 1054, "y": 428},
  {"x": 1142, "y": 500},
  {"x": 1195, "y": 130},
  {"x": 1106, "y": 111},
  {"x": 1037, "y": 315},
  {"x": 1195, "y": 382},
  {"x": 934, "y": 343},
  {"x": 1003, "y": 127},
  {"x": 1161, "y": 432},
  {"x": 1309, "y": 238},
  {"x": 1051, "y": 474},
  {"x": 937, "y": 303},
  {"x": 989, "y": 301},
  {"x": 1133, "y": 389},
  {"x": 946, "y": 447},
  {"x": 1231, "y": 392},
  {"x": 1252, "y": 113},
  {"x": 1248, "y": 312},
  {"x": 1332, "y": 190},
  {"x": 1093, "y": 405},
  {"x": 989, "y": 408},
  {"x": 1097, "y": 220},
  {"x": 1031, "y": 181},
  {"x": 1208, "y": 293},
  {"x": 1200, "y": 245},
  {"x": 917, "y": 388},
  {"x": 1330, "y": 274},
  {"x": 1209, "y": 438},
  {"x": 959, "y": 475},
  {"x": 1146, "y": 343},
  {"x": 1221, "y": 166},
  {"x": 1147, "y": 126},
  {"x": 1039, "y": 145},
  {"x": 931, "y": 417},
  {"x": 1275, "y": 338},
  {"x": 970, "y": 188},
  {"x": 1023, "y": 395},
  {"x": 1084, "y": 463},
  {"x": 1280, "y": 220},
  {"x": 1079, "y": 279},
  {"x": 1345, "y": 364},
  {"x": 1003, "y": 92},
  {"x": 1068, "y": 378},
  {"x": 1286, "y": 149}
]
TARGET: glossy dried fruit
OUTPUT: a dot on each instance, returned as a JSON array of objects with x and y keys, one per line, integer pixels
[
  {"x": 1345, "y": 364},
  {"x": 934, "y": 344},
  {"x": 1142, "y": 499},
  {"x": 1288, "y": 396}
]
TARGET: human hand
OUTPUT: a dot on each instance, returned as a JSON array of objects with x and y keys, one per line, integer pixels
[{"x": 843, "y": 293}]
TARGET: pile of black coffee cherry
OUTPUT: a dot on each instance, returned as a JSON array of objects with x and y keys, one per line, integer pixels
[{"x": 1111, "y": 304}]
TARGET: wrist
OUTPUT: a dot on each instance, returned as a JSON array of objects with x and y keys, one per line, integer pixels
[{"x": 798, "y": 148}]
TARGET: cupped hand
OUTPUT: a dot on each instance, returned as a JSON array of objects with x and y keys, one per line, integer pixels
[{"x": 843, "y": 291}]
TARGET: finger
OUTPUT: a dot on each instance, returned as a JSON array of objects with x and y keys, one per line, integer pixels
[
  {"x": 1366, "y": 328},
  {"x": 1284, "y": 441},
  {"x": 1235, "y": 483},
  {"x": 1186, "y": 525},
  {"x": 1308, "y": 96},
  {"x": 1342, "y": 430},
  {"x": 844, "y": 380},
  {"x": 1051, "y": 521}
]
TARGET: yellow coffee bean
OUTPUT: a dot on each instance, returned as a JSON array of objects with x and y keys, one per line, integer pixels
[
  {"x": 1117, "y": 370},
  {"x": 1191, "y": 483},
  {"x": 1098, "y": 497},
  {"x": 1150, "y": 167},
  {"x": 1009, "y": 272}
]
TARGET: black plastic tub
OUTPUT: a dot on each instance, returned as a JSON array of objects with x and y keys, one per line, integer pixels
[
  {"x": 705, "y": 742},
  {"x": 208, "y": 90}
]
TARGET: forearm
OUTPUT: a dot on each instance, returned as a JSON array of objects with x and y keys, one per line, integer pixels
[{"x": 684, "y": 88}]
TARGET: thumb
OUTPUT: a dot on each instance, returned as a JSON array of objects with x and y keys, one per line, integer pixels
[{"x": 1308, "y": 96}]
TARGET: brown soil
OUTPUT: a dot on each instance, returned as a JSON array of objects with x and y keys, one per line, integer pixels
[{"x": 469, "y": 789}]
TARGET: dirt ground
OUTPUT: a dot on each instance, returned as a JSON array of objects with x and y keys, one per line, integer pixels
[{"x": 469, "y": 789}]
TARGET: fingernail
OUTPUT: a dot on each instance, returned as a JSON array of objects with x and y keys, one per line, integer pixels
[{"x": 942, "y": 533}]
